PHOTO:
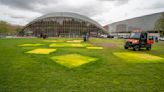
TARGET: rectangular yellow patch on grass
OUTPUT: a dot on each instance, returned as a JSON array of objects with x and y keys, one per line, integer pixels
[
  {"x": 138, "y": 57},
  {"x": 72, "y": 60},
  {"x": 41, "y": 51},
  {"x": 66, "y": 45},
  {"x": 53, "y": 41},
  {"x": 75, "y": 41},
  {"x": 95, "y": 48},
  {"x": 31, "y": 45}
]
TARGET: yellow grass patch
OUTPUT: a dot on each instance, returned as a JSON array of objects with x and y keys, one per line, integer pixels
[
  {"x": 53, "y": 41},
  {"x": 138, "y": 57},
  {"x": 41, "y": 51},
  {"x": 95, "y": 48},
  {"x": 31, "y": 45},
  {"x": 75, "y": 41},
  {"x": 73, "y": 60},
  {"x": 77, "y": 45},
  {"x": 66, "y": 45}
]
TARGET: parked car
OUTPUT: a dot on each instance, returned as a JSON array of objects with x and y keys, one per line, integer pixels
[
  {"x": 103, "y": 36},
  {"x": 115, "y": 37},
  {"x": 161, "y": 38},
  {"x": 110, "y": 36}
]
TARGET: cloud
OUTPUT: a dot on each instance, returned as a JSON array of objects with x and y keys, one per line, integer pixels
[
  {"x": 24, "y": 4},
  {"x": 117, "y": 2},
  {"x": 17, "y": 16},
  {"x": 40, "y": 5},
  {"x": 88, "y": 8},
  {"x": 121, "y": 2},
  {"x": 103, "y": 11},
  {"x": 157, "y": 5}
]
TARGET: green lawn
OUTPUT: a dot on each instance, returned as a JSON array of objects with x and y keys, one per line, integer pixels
[{"x": 67, "y": 65}]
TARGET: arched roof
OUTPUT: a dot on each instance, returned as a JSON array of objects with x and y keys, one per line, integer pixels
[{"x": 68, "y": 14}]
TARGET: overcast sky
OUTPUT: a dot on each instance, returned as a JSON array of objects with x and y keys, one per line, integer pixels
[{"x": 103, "y": 11}]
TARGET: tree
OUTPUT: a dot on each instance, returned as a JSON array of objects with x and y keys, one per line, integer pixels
[
  {"x": 20, "y": 32},
  {"x": 159, "y": 26},
  {"x": 4, "y": 27},
  {"x": 8, "y": 29}
]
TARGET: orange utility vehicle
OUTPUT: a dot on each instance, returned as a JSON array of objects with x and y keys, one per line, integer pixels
[{"x": 138, "y": 40}]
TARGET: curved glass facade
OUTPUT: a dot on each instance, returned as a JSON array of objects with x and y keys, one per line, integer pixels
[{"x": 62, "y": 27}]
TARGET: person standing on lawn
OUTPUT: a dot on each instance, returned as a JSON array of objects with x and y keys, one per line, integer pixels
[{"x": 85, "y": 37}]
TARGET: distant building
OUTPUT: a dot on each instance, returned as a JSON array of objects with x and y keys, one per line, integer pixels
[
  {"x": 144, "y": 23},
  {"x": 63, "y": 24},
  {"x": 106, "y": 27}
]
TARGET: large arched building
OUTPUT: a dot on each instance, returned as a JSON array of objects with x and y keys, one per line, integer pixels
[{"x": 63, "y": 24}]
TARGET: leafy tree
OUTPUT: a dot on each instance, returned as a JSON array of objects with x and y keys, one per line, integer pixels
[
  {"x": 159, "y": 26},
  {"x": 4, "y": 28},
  {"x": 8, "y": 29},
  {"x": 21, "y": 33}
]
